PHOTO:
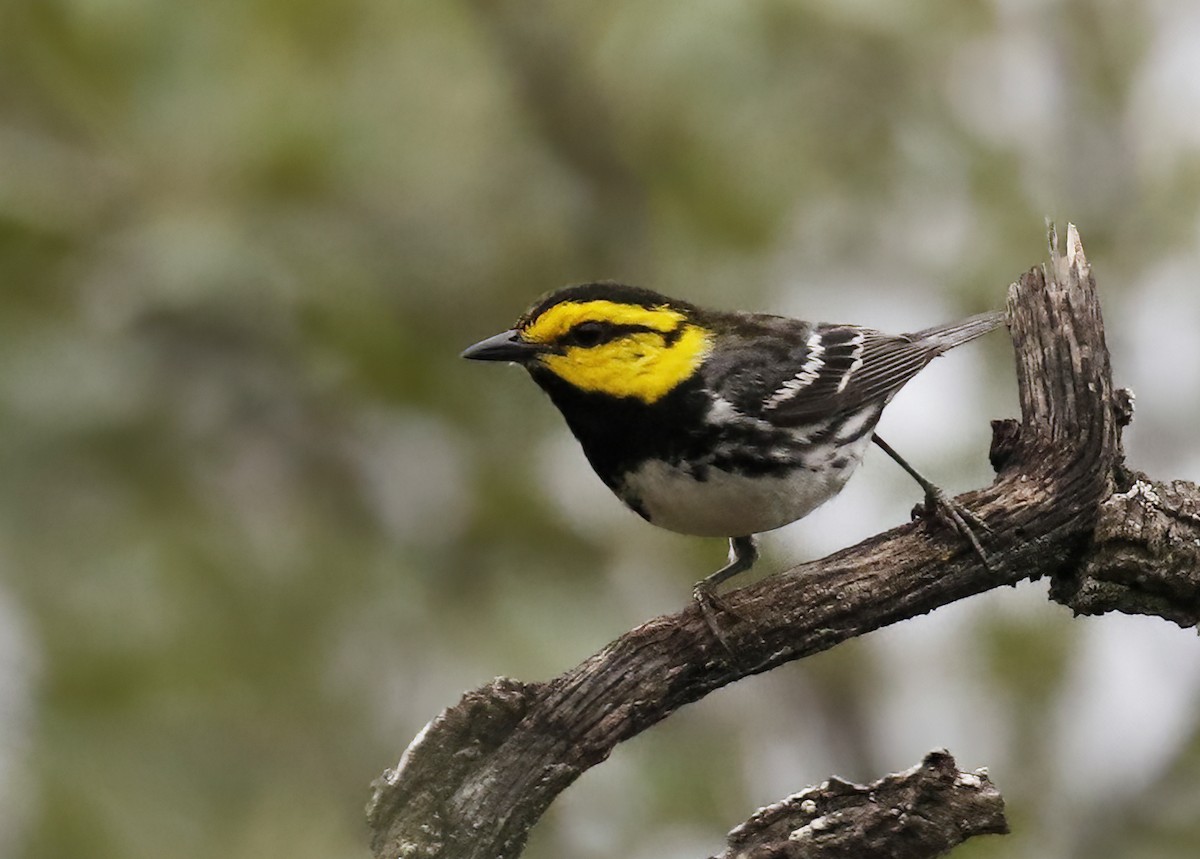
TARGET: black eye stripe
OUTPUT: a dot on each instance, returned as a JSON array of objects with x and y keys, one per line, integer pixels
[
  {"x": 597, "y": 333},
  {"x": 670, "y": 338}
]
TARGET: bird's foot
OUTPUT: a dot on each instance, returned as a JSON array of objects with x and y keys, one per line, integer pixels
[
  {"x": 954, "y": 515},
  {"x": 712, "y": 607}
]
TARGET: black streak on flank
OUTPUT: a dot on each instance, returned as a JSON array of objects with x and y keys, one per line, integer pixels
[{"x": 635, "y": 504}]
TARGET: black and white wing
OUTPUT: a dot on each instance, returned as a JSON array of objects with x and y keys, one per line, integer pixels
[{"x": 844, "y": 368}]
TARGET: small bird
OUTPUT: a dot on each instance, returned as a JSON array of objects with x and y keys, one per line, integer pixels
[{"x": 720, "y": 424}]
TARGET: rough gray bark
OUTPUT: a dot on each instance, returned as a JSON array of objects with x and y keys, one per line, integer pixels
[
  {"x": 1144, "y": 557},
  {"x": 921, "y": 812},
  {"x": 1062, "y": 505}
]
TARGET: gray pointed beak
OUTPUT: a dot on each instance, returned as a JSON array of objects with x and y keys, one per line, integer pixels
[{"x": 505, "y": 346}]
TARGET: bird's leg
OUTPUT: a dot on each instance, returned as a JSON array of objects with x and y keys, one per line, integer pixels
[
  {"x": 942, "y": 505},
  {"x": 743, "y": 552}
]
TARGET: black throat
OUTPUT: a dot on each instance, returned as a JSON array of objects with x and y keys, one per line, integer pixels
[{"x": 619, "y": 433}]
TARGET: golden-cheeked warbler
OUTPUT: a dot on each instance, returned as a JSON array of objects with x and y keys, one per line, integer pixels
[{"x": 720, "y": 424}]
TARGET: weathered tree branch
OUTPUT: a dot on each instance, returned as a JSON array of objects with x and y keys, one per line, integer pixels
[
  {"x": 1145, "y": 555},
  {"x": 481, "y": 774},
  {"x": 921, "y": 812}
]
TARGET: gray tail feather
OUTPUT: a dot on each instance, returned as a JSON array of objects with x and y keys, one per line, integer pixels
[{"x": 956, "y": 333}]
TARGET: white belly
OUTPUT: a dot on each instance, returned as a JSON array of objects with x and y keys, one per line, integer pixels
[{"x": 729, "y": 504}]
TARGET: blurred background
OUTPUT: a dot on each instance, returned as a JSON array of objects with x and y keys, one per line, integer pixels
[{"x": 259, "y": 523}]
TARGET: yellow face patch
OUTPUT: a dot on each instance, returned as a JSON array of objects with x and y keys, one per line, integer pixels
[
  {"x": 561, "y": 318},
  {"x": 645, "y": 364}
]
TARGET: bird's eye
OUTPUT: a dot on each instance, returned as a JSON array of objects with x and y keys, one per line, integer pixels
[{"x": 587, "y": 334}]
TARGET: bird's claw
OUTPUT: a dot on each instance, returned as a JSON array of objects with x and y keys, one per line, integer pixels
[
  {"x": 962, "y": 520},
  {"x": 711, "y": 605}
]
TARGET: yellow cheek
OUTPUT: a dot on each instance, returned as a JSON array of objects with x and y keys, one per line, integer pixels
[{"x": 639, "y": 365}]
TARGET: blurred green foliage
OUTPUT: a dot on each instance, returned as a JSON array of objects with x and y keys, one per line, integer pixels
[{"x": 259, "y": 523}]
